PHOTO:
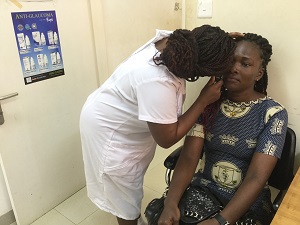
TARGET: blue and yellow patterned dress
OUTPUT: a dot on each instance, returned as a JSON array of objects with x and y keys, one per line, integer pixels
[{"x": 240, "y": 130}]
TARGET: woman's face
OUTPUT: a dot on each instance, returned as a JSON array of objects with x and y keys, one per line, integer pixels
[{"x": 247, "y": 68}]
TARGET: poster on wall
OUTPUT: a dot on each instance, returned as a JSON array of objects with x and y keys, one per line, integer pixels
[{"x": 38, "y": 44}]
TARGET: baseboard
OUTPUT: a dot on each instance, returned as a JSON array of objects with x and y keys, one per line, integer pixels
[{"x": 8, "y": 218}]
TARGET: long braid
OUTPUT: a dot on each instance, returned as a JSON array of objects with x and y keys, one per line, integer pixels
[{"x": 204, "y": 51}]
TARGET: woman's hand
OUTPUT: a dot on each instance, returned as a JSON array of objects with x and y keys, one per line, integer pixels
[
  {"x": 236, "y": 34},
  {"x": 170, "y": 215},
  {"x": 211, "y": 92}
]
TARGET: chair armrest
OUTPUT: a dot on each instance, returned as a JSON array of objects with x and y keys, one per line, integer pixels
[{"x": 171, "y": 160}]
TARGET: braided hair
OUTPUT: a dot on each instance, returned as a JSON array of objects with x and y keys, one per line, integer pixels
[
  {"x": 204, "y": 51},
  {"x": 265, "y": 53}
]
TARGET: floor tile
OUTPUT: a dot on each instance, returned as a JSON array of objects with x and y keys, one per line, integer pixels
[
  {"x": 155, "y": 175},
  {"x": 100, "y": 218},
  {"x": 161, "y": 154},
  {"x": 155, "y": 178},
  {"x": 103, "y": 218},
  {"x": 78, "y": 207},
  {"x": 79, "y": 210},
  {"x": 159, "y": 157},
  {"x": 52, "y": 218}
]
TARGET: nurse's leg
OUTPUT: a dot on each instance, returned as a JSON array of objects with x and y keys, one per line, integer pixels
[
  {"x": 126, "y": 222},
  {"x": 139, "y": 221}
]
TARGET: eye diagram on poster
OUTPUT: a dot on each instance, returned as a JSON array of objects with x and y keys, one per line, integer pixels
[{"x": 38, "y": 45}]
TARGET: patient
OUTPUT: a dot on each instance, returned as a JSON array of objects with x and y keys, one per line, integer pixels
[{"x": 242, "y": 137}]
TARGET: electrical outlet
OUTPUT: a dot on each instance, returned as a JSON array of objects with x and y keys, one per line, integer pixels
[{"x": 204, "y": 9}]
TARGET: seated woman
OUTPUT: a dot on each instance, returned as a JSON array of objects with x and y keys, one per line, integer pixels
[{"x": 242, "y": 137}]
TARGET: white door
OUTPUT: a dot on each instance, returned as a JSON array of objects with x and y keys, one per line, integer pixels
[{"x": 39, "y": 140}]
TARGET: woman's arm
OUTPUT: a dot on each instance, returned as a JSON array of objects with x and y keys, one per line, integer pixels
[
  {"x": 259, "y": 171},
  {"x": 268, "y": 149},
  {"x": 182, "y": 176},
  {"x": 167, "y": 135},
  {"x": 261, "y": 166}
]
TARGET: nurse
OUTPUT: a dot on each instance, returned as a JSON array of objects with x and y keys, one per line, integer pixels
[{"x": 140, "y": 106}]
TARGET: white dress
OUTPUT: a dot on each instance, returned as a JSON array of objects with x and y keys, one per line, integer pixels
[{"x": 116, "y": 142}]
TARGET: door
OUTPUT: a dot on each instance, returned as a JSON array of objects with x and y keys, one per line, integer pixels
[{"x": 40, "y": 145}]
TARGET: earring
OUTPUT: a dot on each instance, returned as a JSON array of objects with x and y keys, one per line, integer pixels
[{"x": 256, "y": 84}]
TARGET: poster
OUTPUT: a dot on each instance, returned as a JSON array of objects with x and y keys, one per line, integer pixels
[{"x": 38, "y": 44}]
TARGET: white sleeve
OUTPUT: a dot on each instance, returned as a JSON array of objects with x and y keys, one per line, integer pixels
[{"x": 158, "y": 102}]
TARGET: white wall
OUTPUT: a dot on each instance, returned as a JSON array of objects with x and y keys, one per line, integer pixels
[
  {"x": 277, "y": 21},
  {"x": 126, "y": 25},
  {"x": 5, "y": 205}
]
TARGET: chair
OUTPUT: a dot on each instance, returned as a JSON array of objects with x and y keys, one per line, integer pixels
[
  {"x": 283, "y": 173},
  {"x": 280, "y": 178}
]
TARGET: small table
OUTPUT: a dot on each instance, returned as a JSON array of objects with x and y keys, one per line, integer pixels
[{"x": 289, "y": 209}]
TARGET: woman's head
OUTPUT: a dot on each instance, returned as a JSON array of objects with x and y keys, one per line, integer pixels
[
  {"x": 248, "y": 74},
  {"x": 204, "y": 51},
  {"x": 252, "y": 55}
]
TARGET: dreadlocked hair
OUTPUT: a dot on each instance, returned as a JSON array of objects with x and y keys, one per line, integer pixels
[
  {"x": 204, "y": 51},
  {"x": 180, "y": 55},
  {"x": 265, "y": 53},
  {"x": 215, "y": 49}
]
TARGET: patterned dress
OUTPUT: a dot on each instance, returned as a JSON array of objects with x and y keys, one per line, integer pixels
[{"x": 240, "y": 130}]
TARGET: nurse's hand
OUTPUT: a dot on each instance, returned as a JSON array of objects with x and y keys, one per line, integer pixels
[
  {"x": 211, "y": 92},
  {"x": 236, "y": 34}
]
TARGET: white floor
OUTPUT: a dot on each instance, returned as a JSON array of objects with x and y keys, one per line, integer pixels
[{"x": 79, "y": 210}]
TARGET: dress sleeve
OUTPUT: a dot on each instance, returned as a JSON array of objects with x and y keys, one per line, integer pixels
[
  {"x": 196, "y": 131},
  {"x": 272, "y": 138},
  {"x": 158, "y": 101}
]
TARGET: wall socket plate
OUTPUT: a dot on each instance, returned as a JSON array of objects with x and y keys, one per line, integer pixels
[{"x": 204, "y": 9}]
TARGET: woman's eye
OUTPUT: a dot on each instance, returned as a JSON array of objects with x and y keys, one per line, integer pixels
[{"x": 245, "y": 64}]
